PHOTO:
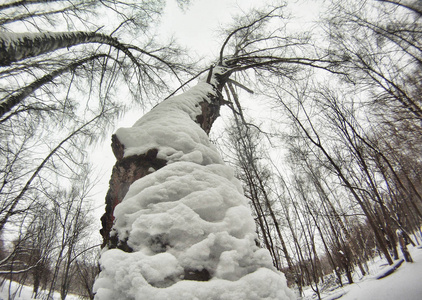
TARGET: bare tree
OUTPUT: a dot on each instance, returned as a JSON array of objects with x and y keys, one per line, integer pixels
[
  {"x": 247, "y": 145},
  {"x": 380, "y": 41},
  {"x": 306, "y": 126},
  {"x": 71, "y": 210},
  {"x": 87, "y": 269},
  {"x": 249, "y": 49}
]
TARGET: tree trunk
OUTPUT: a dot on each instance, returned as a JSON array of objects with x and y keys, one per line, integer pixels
[
  {"x": 184, "y": 221},
  {"x": 18, "y": 46},
  {"x": 263, "y": 224},
  {"x": 403, "y": 246},
  {"x": 325, "y": 200}
]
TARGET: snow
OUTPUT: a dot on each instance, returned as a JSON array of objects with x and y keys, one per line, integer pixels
[
  {"x": 169, "y": 128},
  {"x": 261, "y": 284},
  {"x": 18, "y": 292},
  {"x": 187, "y": 217},
  {"x": 388, "y": 270},
  {"x": 403, "y": 283}
]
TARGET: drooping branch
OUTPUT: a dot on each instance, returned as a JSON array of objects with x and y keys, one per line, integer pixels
[
  {"x": 170, "y": 65},
  {"x": 7, "y": 104},
  {"x": 417, "y": 10}
]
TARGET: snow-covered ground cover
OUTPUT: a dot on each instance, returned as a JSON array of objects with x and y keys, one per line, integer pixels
[
  {"x": 404, "y": 283},
  {"x": 18, "y": 292}
]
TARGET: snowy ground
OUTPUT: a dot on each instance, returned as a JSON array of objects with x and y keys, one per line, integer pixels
[
  {"x": 25, "y": 293},
  {"x": 404, "y": 283}
]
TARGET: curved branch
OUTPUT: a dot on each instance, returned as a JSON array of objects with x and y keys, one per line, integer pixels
[
  {"x": 184, "y": 84},
  {"x": 169, "y": 65},
  {"x": 398, "y": 3},
  {"x": 242, "y": 28},
  {"x": 10, "y": 102}
]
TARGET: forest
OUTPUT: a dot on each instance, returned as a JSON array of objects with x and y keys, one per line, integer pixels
[{"x": 321, "y": 126}]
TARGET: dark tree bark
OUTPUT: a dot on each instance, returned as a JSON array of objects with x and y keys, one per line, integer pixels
[{"x": 124, "y": 173}]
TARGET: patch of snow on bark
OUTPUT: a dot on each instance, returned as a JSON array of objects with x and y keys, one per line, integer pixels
[{"x": 169, "y": 127}]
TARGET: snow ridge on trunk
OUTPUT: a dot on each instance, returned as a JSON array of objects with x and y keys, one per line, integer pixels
[{"x": 187, "y": 228}]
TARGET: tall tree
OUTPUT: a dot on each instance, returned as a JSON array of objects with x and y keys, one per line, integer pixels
[
  {"x": 308, "y": 131},
  {"x": 173, "y": 202},
  {"x": 44, "y": 75}
]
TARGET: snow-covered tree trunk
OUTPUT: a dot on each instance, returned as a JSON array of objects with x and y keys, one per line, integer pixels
[
  {"x": 183, "y": 230},
  {"x": 18, "y": 46}
]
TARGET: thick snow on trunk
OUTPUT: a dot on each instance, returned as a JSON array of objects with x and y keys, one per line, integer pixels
[{"x": 188, "y": 223}]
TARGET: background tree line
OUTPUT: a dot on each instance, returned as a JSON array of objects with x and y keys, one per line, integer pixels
[
  {"x": 349, "y": 185},
  {"x": 347, "y": 121}
]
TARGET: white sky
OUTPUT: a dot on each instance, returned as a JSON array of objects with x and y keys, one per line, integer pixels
[{"x": 197, "y": 26}]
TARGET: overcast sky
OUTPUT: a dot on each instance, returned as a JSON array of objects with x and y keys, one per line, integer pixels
[{"x": 197, "y": 27}]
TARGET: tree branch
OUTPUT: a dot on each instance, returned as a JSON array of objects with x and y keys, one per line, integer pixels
[{"x": 7, "y": 104}]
